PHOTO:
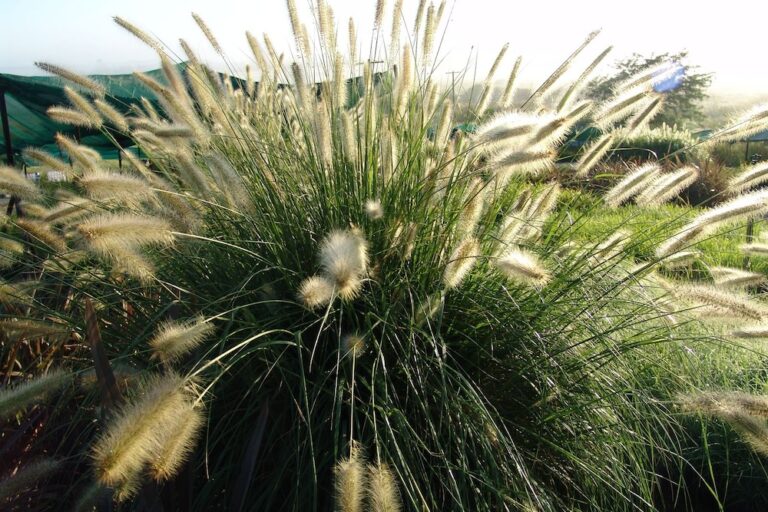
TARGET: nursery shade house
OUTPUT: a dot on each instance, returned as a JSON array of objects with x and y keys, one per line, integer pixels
[{"x": 28, "y": 97}]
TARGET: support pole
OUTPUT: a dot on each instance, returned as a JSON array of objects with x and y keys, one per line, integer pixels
[
  {"x": 13, "y": 201},
  {"x": 6, "y": 130}
]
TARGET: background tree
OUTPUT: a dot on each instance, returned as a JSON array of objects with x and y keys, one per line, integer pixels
[{"x": 683, "y": 105}]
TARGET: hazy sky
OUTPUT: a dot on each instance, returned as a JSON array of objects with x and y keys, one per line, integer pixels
[{"x": 726, "y": 38}]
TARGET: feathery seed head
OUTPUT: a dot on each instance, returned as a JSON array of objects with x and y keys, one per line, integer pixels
[
  {"x": 344, "y": 259},
  {"x": 523, "y": 267},
  {"x": 461, "y": 262},
  {"x": 749, "y": 178},
  {"x": 80, "y": 80},
  {"x": 134, "y": 435},
  {"x": 22, "y": 395},
  {"x": 350, "y": 483},
  {"x": 316, "y": 291},
  {"x": 12, "y": 181},
  {"x": 632, "y": 184},
  {"x": 176, "y": 441},
  {"x": 383, "y": 495},
  {"x": 353, "y": 344},
  {"x": 667, "y": 186},
  {"x": 174, "y": 339},
  {"x": 736, "y": 278},
  {"x": 373, "y": 209}
]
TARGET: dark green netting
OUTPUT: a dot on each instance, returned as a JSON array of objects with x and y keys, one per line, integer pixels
[{"x": 28, "y": 97}]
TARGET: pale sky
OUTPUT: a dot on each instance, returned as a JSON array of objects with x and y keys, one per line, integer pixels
[{"x": 726, "y": 38}]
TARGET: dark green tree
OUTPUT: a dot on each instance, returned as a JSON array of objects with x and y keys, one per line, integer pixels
[{"x": 682, "y": 106}]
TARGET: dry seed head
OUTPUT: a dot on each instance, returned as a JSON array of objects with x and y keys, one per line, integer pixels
[
  {"x": 27, "y": 476},
  {"x": 316, "y": 291},
  {"x": 751, "y": 331},
  {"x": 102, "y": 185},
  {"x": 536, "y": 97},
  {"x": 755, "y": 249},
  {"x": 17, "y": 292},
  {"x": 735, "y": 277},
  {"x": 350, "y": 483},
  {"x": 48, "y": 160},
  {"x": 667, "y": 186},
  {"x": 373, "y": 209},
  {"x": 353, "y": 345},
  {"x": 507, "y": 96},
  {"x": 80, "y": 80},
  {"x": 742, "y": 208},
  {"x": 22, "y": 328},
  {"x": 461, "y": 262},
  {"x": 208, "y": 34},
  {"x": 397, "y": 22},
  {"x": 749, "y": 178},
  {"x": 622, "y": 106},
  {"x": 680, "y": 259},
  {"x": 474, "y": 203},
  {"x": 133, "y": 436},
  {"x": 383, "y": 495},
  {"x": 41, "y": 233},
  {"x": 522, "y": 163},
  {"x": 14, "y": 399},
  {"x": 138, "y": 33},
  {"x": 175, "y": 339},
  {"x": 632, "y": 184},
  {"x": 378, "y": 14},
  {"x": 727, "y": 302},
  {"x": 72, "y": 117},
  {"x": 429, "y": 32},
  {"x": 83, "y": 106},
  {"x": 575, "y": 88},
  {"x": 176, "y": 443},
  {"x": 109, "y": 232},
  {"x": 641, "y": 119},
  {"x": 130, "y": 262},
  {"x": 12, "y": 181},
  {"x": 84, "y": 155},
  {"x": 344, "y": 259},
  {"x": 523, "y": 267},
  {"x": 594, "y": 153},
  {"x": 111, "y": 115},
  {"x": 509, "y": 130},
  {"x": 352, "y": 34}
]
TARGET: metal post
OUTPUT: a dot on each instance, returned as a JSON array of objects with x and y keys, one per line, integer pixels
[
  {"x": 6, "y": 130},
  {"x": 746, "y": 153},
  {"x": 13, "y": 201}
]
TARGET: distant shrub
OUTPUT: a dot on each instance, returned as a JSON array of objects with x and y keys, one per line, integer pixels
[{"x": 665, "y": 142}]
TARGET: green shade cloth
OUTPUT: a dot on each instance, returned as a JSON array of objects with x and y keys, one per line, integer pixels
[{"x": 28, "y": 97}]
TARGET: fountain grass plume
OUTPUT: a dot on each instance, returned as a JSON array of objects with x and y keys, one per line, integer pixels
[
  {"x": 749, "y": 178},
  {"x": 84, "y": 82},
  {"x": 523, "y": 267},
  {"x": 26, "y": 476},
  {"x": 632, "y": 184},
  {"x": 12, "y": 182},
  {"x": 731, "y": 303},
  {"x": 667, "y": 186},
  {"x": 14, "y": 399},
  {"x": 735, "y": 277},
  {"x": 132, "y": 438},
  {"x": 383, "y": 495},
  {"x": 175, "y": 339},
  {"x": 176, "y": 443},
  {"x": 461, "y": 262},
  {"x": 350, "y": 483}
]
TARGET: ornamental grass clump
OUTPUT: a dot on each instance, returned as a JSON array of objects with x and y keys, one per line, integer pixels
[{"x": 369, "y": 274}]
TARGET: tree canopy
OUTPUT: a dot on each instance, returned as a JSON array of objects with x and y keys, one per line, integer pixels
[{"x": 683, "y": 105}]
